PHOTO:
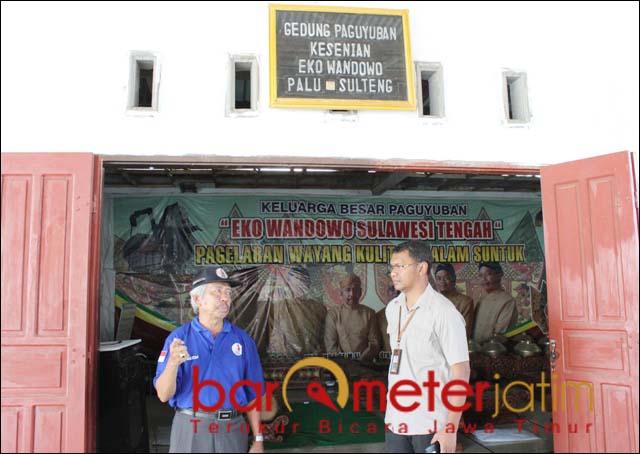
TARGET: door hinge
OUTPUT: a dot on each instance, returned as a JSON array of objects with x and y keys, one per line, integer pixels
[{"x": 94, "y": 205}]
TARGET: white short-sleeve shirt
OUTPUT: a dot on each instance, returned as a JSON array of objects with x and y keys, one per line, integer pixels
[{"x": 434, "y": 339}]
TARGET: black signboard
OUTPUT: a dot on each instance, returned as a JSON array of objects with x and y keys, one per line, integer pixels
[{"x": 340, "y": 58}]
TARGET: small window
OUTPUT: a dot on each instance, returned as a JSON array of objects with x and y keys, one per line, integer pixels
[
  {"x": 426, "y": 100},
  {"x": 516, "y": 97},
  {"x": 143, "y": 82},
  {"x": 243, "y": 88},
  {"x": 430, "y": 89}
]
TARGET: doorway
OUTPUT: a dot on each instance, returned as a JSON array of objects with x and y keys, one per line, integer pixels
[{"x": 149, "y": 197}]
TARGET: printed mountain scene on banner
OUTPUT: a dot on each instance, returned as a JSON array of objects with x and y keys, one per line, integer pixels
[{"x": 167, "y": 246}]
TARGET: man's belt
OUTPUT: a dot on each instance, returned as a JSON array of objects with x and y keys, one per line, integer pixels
[{"x": 221, "y": 415}]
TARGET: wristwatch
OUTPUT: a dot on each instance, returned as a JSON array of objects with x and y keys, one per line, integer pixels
[{"x": 259, "y": 437}]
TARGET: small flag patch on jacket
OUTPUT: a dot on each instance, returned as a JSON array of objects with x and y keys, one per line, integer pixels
[{"x": 162, "y": 357}]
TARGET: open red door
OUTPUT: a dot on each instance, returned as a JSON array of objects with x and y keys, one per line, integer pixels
[
  {"x": 48, "y": 350},
  {"x": 591, "y": 242}
]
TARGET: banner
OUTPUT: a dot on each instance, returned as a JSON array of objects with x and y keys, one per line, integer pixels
[{"x": 292, "y": 252}]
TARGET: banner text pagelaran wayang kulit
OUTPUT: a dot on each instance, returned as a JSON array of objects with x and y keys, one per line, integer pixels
[{"x": 291, "y": 252}]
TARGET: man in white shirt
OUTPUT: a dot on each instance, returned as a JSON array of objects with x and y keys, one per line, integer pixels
[{"x": 427, "y": 336}]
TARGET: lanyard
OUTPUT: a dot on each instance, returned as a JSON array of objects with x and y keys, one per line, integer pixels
[{"x": 406, "y": 323}]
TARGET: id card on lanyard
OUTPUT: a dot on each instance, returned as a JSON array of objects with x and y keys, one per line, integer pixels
[{"x": 396, "y": 356}]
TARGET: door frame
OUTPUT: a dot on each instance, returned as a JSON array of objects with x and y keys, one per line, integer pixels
[
  {"x": 405, "y": 165},
  {"x": 93, "y": 323},
  {"x": 400, "y": 165}
]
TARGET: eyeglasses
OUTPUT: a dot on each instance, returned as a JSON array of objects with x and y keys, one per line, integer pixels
[{"x": 393, "y": 268}]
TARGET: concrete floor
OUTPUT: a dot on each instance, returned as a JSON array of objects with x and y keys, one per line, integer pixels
[{"x": 160, "y": 416}]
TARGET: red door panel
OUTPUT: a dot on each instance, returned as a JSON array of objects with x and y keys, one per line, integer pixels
[
  {"x": 47, "y": 216},
  {"x": 591, "y": 242}
]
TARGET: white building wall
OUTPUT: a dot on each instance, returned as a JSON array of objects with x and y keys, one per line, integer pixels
[{"x": 65, "y": 74}]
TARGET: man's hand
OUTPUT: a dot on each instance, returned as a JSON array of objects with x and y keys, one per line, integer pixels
[
  {"x": 257, "y": 446},
  {"x": 178, "y": 353},
  {"x": 166, "y": 383},
  {"x": 447, "y": 440}
]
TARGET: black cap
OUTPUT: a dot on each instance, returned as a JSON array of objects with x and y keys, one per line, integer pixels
[
  {"x": 211, "y": 275},
  {"x": 448, "y": 267},
  {"x": 495, "y": 266}
]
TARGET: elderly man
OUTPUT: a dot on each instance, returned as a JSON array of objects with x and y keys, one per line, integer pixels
[
  {"x": 497, "y": 310},
  {"x": 223, "y": 354},
  {"x": 446, "y": 284},
  {"x": 350, "y": 327}
]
